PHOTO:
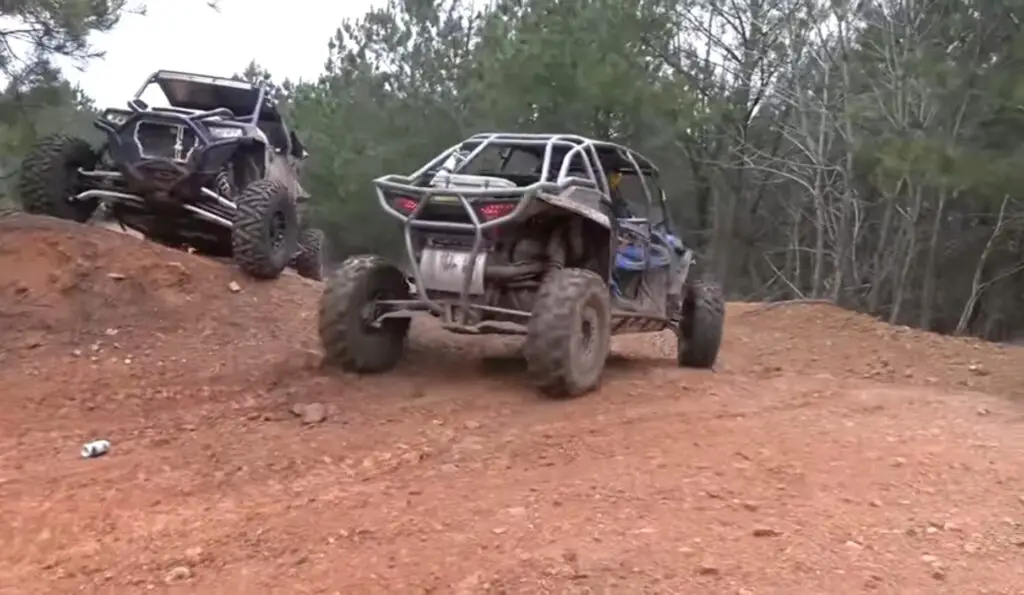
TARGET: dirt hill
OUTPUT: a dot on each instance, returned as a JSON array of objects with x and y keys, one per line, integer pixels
[{"x": 828, "y": 453}]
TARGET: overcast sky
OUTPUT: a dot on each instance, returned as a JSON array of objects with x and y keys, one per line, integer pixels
[{"x": 287, "y": 37}]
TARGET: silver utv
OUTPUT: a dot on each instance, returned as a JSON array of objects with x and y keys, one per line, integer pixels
[{"x": 561, "y": 238}]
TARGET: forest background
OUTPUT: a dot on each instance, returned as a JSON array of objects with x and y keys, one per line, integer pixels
[{"x": 867, "y": 154}]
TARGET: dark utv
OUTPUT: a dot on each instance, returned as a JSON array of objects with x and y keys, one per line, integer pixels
[
  {"x": 215, "y": 171},
  {"x": 560, "y": 238}
]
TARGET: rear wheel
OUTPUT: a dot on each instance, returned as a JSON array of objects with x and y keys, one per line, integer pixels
[
  {"x": 569, "y": 333},
  {"x": 347, "y": 333},
  {"x": 50, "y": 178},
  {"x": 264, "y": 236},
  {"x": 701, "y": 326},
  {"x": 310, "y": 261}
]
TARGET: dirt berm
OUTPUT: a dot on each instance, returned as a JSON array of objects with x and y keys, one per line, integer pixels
[{"x": 827, "y": 454}]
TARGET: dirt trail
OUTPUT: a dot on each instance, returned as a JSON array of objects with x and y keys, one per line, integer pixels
[{"x": 829, "y": 453}]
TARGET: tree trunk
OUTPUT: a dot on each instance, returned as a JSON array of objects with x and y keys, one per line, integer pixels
[{"x": 928, "y": 286}]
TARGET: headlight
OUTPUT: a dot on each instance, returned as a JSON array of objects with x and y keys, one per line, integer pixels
[
  {"x": 116, "y": 118},
  {"x": 225, "y": 132}
]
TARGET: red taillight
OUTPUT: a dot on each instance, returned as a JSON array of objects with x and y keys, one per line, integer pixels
[
  {"x": 495, "y": 210},
  {"x": 405, "y": 204}
]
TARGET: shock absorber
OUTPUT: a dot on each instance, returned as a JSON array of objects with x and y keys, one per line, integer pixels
[{"x": 222, "y": 183}]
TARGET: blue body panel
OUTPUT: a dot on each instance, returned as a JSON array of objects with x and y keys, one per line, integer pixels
[{"x": 630, "y": 257}]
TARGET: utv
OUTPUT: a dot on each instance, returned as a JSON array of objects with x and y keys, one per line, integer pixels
[
  {"x": 560, "y": 238},
  {"x": 216, "y": 171}
]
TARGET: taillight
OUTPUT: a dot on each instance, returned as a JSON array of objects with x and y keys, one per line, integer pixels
[
  {"x": 405, "y": 204},
  {"x": 495, "y": 210}
]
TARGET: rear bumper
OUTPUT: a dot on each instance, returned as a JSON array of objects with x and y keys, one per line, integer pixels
[{"x": 456, "y": 312}]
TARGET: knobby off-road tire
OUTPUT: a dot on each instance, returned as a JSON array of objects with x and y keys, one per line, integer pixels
[
  {"x": 264, "y": 237},
  {"x": 569, "y": 333},
  {"x": 346, "y": 335},
  {"x": 49, "y": 176},
  {"x": 701, "y": 325},
  {"x": 310, "y": 261}
]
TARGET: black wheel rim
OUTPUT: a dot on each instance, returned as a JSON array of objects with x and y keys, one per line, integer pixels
[
  {"x": 278, "y": 230},
  {"x": 73, "y": 182},
  {"x": 587, "y": 334},
  {"x": 588, "y": 340},
  {"x": 368, "y": 313}
]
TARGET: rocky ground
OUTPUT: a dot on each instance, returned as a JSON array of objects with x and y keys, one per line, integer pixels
[{"x": 828, "y": 453}]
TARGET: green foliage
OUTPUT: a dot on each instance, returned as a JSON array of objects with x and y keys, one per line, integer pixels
[{"x": 804, "y": 143}]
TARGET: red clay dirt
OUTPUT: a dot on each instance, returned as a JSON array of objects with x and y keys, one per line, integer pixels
[{"x": 827, "y": 454}]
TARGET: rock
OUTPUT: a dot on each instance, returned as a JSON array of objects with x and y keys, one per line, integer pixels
[
  {"x": 1017, "y": 540},
  {"x": 178, "y": 574},
  {"x": 708, "y": 570},
  {"x": 234, "y": 287},
  {"x": 765, "y": 532},
  {"x": 413, "y": 457},
  {"x": 194, "y": 555},
  {"x": 929, "y": 559},
  {"x": 470, "y": 585},
  {"x": 499, "y": 530},
  {"x": 977, "y": 369},
  {"x": 983, "y": 411},
  {"x": 314, "y": 413},
  {"x": 116, "y": 276},
  {"x": 297, "y": 409},
  {"x": 471, "y": 425},
  {"x": 33, "y": 343}
]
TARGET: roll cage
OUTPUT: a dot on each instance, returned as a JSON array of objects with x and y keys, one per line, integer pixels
[{"x": 552, "y": 162}]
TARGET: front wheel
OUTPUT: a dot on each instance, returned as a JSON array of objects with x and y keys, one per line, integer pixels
[
  {"x": 50, "y": 178},
  {"x": 701, "y": 325},
  {"x": 348, "y": 334},
  {"x": 569, "y": 333},
  {"x": 264, "y": 236}
]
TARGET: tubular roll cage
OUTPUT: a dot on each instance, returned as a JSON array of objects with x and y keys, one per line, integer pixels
[
  {"x": 583, "y": 148},
  {"x": 259, "y": 87}
]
